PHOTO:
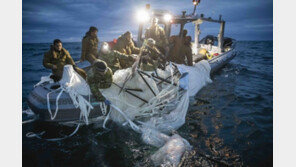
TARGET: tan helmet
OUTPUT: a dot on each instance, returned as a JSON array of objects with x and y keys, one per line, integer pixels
[{"x": 150, "y": 42}]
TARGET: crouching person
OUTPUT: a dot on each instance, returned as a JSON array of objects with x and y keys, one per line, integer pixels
[
  {"x": 56, "y": 58},
  {"x": 99, "y": 76},
  {"x": 114, "y": 59}
]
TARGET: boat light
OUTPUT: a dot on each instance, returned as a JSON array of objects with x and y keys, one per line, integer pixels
[
  {"x": 143, "y": 16},
  {"x": 195, "y": 2},
  {"x": 167, "y": 17}
]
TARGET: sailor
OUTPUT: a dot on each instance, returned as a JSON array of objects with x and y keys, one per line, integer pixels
[
  {"x": 90, "y": 43},
  {"x": 158, "y": 34},
  {"x": 114, "y": 58},
  {"x": 175, "y": 48},
  {"x": 152, "y": 58},
  {"x": 125, "y": 44},
  {"x": 99, "y": 76},
  {"x": 186, "y": 51},
  {"x": 181, "y": 48},
  {"x": 56, "y": 58},
  {"x": 175, "y": 43}
]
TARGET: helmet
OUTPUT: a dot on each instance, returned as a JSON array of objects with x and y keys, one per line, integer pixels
[
  {"x": 100, "y": 65},
  {"x": 92, "y": 28},
  {"x": 150, "y": 42}
]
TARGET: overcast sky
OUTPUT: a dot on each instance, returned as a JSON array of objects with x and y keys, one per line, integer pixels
[{"x": 45, "y": 20}]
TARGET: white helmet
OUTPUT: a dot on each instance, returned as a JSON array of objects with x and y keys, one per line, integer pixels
[{"x": 150, "y": 42}]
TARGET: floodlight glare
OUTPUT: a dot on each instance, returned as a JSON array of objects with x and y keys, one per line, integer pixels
[
  {"x": 142, "y": 16},
  {"x": 105, "y": 47},
  {"x": 167, "y": 17}
]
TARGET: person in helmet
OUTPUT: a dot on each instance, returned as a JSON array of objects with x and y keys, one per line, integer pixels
[
  {"x": 99, "y": 76},
  {"x": 56, "y": 58},
  {"x": 158, "y": 34},
  {"x": 125, "y": 44},
  {"x": 152, "y": 58},
  {"x": 113, "y": 58},
  {"x": 90, "y": 43}
]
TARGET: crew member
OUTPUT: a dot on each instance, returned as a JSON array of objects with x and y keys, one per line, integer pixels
[
  {"x": 181, "y": 48},
  {"x": 114, "y": 58},
  {"x": 56, "y": 58},
  {"x": 90, "y": 43},
  {"x": 186, "y": 51},
  {"x": 99, "y": 77},
  {"x": 158, "y": 34},
  {"x": 152, "y": 58},
  {"x": 126, "y": 45}
]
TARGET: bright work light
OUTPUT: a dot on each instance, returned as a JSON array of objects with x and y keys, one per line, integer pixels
[
  {"x": 143, "y": 16},
  {"x": 167, "y": 17},
  {"x": 105, "y": 47}
]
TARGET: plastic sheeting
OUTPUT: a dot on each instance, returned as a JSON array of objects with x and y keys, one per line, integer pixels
[
  {"x": 161, "y": 111},
  {"x": 76, "y": 87},
  {"x": 154, "y": 122}
]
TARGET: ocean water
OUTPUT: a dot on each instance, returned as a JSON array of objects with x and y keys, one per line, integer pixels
[{"x": 230, "y": 121}]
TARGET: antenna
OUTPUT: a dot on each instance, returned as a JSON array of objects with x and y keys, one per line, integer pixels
[{"x": 195, "y": 3}]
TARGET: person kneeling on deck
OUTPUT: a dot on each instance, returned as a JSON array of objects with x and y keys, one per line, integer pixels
[
  {"x": 114, "y": 58},
  {"x": 99, "y": 76},
  {"x": 152, "y": 58},
  {"x": 125, "y": 45},
  {"x": 89, "y": 50},
  {"x": 56, "y": 58}
]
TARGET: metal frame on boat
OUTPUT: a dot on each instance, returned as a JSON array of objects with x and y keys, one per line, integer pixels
[{"x": 225, "y": 48}]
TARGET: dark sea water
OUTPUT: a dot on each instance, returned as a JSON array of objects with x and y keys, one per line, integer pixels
[{"x": 229, "y": 121}]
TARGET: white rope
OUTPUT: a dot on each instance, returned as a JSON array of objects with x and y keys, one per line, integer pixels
[{"x": 52, "y": 117}]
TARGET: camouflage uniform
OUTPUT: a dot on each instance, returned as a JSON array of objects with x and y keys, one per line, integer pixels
[
  {"x": 89, "y": 48},
  {"x": 126, "y": 46},
  {"x": 151, "y": 59},
  {"x": 60, "y": 59},
  {"x": 98, "y": 81},
  {"x": 179, "y": 51},
  {"x": 114, "y": 59},
  {"x": 186, "y": 51},
  {"x": 157, "y": 33}
]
